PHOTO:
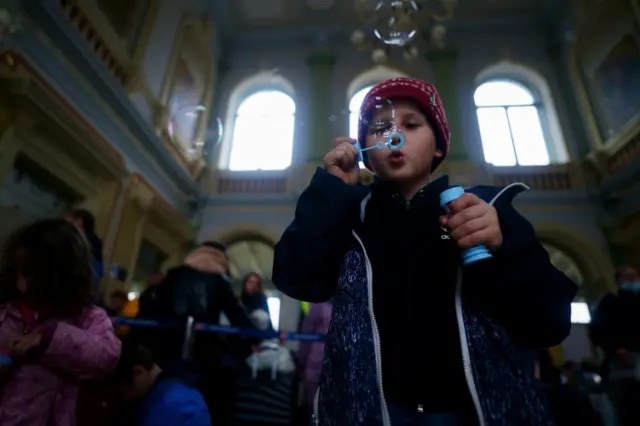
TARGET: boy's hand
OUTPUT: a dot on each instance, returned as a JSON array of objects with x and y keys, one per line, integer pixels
[
  {"x": 473, "y": 222},
  {"x": 342, "y": 160}
]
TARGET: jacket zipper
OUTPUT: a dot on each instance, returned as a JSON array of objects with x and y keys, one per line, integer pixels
[
  {"x": 466, "y": 356},
  {"x": 386, "y": 419},
  {"x": 315, "y": 419}
]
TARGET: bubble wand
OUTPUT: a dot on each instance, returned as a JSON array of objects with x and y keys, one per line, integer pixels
[{"x": 394, "y": 142}]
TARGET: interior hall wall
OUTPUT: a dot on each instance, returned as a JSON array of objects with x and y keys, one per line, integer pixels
[{"x": 571, "y": 210}]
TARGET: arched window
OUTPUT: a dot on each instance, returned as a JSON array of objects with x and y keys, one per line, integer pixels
[
  {"x": 510, "y": 126},
  {"x": 263, "y": 132},
  {"x": 354, "y": 110}
]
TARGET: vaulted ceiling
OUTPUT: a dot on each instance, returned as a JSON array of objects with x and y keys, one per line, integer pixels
[{"x": 270, "y": 19}]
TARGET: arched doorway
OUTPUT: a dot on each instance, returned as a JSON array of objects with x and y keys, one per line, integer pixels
[
  {"x": 255, "y": 255},
  {"x": 565, "y": 262}
]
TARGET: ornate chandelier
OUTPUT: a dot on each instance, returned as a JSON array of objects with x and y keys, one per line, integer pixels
[{"x": 401, "y": 23}]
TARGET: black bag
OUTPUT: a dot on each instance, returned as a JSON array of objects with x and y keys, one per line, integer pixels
[{"x": 264, "y": 401}]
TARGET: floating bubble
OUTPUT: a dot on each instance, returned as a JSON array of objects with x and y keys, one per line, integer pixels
[
  {"x": 215, "y": 132},
  {"x": 183, "y": 122},
  {"x": 376, "y": 111},
  {"x": 396, "y": 21},
  {"x": 183, "y": 129}
]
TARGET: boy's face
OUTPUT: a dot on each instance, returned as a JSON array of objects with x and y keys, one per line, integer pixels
[
  {"x": 141, "y": 381},
  {"x": 413, "y": 161}
]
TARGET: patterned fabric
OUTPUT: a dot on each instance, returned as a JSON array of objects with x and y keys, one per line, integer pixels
[
  {"x": 349, "y": 388},
  {"x": 424, "y": 94},
  {"x": 44, "y": 392},
  {"x": 349, "y": 369}
]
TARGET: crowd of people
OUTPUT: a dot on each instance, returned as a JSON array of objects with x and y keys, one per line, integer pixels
[{"x": 454, "y": 342}]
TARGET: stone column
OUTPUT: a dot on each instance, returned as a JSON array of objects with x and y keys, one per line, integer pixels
[
  {"x": 318, "y": 132},
  {"x": 444, "y": 64}
]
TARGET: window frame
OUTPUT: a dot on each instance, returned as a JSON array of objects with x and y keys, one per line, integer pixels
[
  {"x": 369, "y": 86},
  {"x": 226, "y": 158},
  {"x": 538, "y": 103}
]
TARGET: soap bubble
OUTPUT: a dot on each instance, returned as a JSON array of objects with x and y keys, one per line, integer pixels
[
  {"x": 183, "y": 122},
  {"x": 380, "y": 117},
  {"x": 396, "y": 21},
  {"x": 214, "y": 134},
  {"x": 377, "y": 112},
  {"x": 183, "y": 129}
]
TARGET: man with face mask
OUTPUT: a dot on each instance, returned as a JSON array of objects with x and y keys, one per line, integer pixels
[{"x": 615, "y": 328}]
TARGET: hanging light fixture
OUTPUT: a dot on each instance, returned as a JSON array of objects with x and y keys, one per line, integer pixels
[{"x": 400, "y": 23}]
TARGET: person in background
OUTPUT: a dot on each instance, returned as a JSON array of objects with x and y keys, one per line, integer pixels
[
  {"x": 49, "y": 327},
  {"x": 310, "y": 355},
  {"x": 199, "y": 288},
  {"x": 569, "y": 404},
  {"x": 149, "y": 294},
  {"x": 86, "y": 222},
  {"x": 152, "y": 398},
  {"x": 416, "y": 337},
  {"x": 252, "y": 295},
  {"x": 118, "y": 302},
  {"x": 614, "y": 328}
]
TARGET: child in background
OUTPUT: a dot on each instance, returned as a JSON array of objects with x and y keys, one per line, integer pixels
[
  {"x": 154, "y": 399},
  {"x": 49, "y": 328},
  {"x": 447, "y": 339}
]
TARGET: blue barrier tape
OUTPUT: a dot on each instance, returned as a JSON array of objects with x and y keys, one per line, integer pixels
[
  {"x": 223, "y": 329},
  {"x": 137, "y": 322}
]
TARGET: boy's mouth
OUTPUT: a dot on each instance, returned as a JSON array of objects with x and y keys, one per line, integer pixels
[{"x": 396, "y": 157}]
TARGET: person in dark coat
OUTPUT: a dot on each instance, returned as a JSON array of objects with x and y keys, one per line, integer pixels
[
  {"x": 614, "y": 328},
  {"x": 199, "y": 288},
  {"x": 569, "y": 404}
]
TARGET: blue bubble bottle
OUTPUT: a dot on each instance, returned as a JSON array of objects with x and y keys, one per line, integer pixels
[{"x": 473, "y": 254}]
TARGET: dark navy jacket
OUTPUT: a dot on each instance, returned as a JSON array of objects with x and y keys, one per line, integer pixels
[{"x": 321, "y": 256}]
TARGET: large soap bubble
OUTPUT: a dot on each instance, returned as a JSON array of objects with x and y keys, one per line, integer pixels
[
  {"x": 379, "y": 115},
  {"x": 396, "y": 21},
  {"x": 183, "y": 130}
]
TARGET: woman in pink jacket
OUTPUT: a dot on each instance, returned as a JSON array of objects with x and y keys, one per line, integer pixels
[
  {"x": 311, "y": 354},
  {"x": 51, "y": 336}
]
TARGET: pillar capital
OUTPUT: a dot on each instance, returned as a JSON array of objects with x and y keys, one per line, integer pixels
[
  {"x": 437, "y": 55},
  {"x": 321, "y": 59}
]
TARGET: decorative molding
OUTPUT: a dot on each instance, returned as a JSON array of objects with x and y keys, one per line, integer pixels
[
  {"x": 189, "y": 23},
  {"x": 548, "y": 178},
  {"x": 54, "y": 49},
  {"x": 27, "y": 90},
  {"x": 10, "y": 23},
  {"x": 244, "y": 231},
  {"x": 251, "y": 185}
]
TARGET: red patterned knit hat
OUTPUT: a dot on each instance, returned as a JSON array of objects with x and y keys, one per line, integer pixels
[{"x": 427, "y": 98}]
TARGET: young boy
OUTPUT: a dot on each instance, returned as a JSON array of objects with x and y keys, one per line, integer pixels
[
  {"x": 155, "y": 400},
  {"x": 446, "y": 339}
]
